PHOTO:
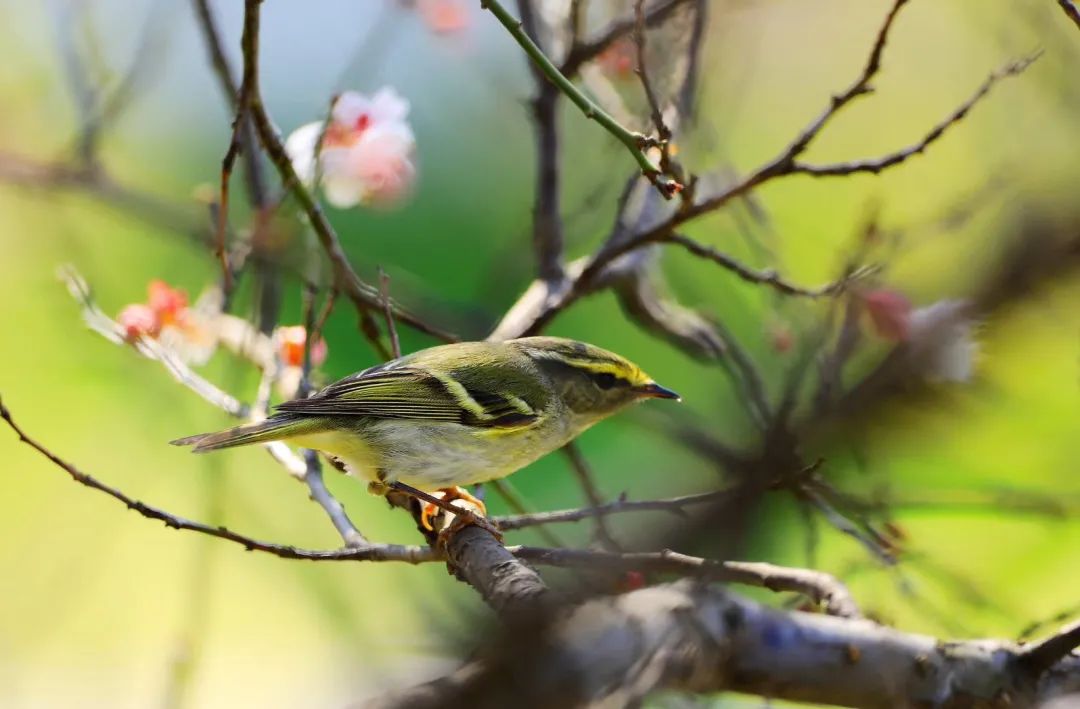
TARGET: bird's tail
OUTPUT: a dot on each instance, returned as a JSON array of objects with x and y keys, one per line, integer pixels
[{"x": 275, "y": 428}]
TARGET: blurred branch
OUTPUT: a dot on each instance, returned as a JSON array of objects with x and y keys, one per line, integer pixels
[
  {"x": 786, "y": 163},
  {"x": 592, "y": 494},
  {"x": 548, "y": 228},
  {"x": 363, "y": 295},
  {"x": 388, "y": 314},
  {"x": 673, "y": 505},
  {"x": 1041, "y": 656},
  {"x": 768, "y": 277},
  {"x": 613, "y": 651},
  {"x": 636, "y": 143},
  {"x": 1071, "y": 11},
  {"x": 663, "y": 132},
  {"x": 584, "y": 52}
]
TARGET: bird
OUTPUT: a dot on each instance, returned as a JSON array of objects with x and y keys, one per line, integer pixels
[{"x": 453, "y": 415}]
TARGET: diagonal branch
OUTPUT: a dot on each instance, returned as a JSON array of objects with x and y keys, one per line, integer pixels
[
  {"x": 1071, "y": 11},
  {"x": 634, "y": 142},
  {"x": 876, "y": 165},
  {"x": 673, "y": 505},
  {"x": 363, "y": 295},
  {"x": 371, "y": 552},
  {"x": 1043, "y": 655},
  {"x": 767, "y": 277},
  {"x": 584, "y": 52}
]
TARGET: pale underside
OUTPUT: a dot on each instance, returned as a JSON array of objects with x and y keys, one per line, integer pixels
[{"x": 430, "y": 455}]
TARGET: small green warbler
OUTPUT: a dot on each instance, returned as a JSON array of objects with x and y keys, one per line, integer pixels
[{"x": 456, "y": 414}]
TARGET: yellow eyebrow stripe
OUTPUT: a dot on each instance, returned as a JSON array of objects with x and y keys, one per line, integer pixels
[{"x": 600, "y": 367}]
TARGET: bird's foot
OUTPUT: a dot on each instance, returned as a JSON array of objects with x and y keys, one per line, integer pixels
[
  {"x": 429, "y": 511},
  {"x": 473, "y": 512}
]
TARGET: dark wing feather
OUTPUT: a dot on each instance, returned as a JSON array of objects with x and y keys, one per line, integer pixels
[{"x": 407, "y": 393}]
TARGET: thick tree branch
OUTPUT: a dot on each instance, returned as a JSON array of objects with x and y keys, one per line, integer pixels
[{"x": 614, "y": 651}]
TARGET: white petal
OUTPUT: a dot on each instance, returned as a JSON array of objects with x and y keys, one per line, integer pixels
[
  {"x": 388, "y": 106},
  {"x": 349, "y": 106},
  {"x": 343, "y": 191},
  {"x": 300, "y": 147},
  {"x": 942, "y": 338}
]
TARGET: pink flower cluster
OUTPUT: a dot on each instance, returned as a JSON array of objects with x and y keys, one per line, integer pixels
[
  {"x": 165, "y": 307},
  {"x": 940, "y": 335},
  {"x": 366, "y": 155},
  {"x": 290, "y": 346}
]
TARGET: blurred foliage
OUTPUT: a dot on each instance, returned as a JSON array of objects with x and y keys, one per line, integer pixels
[{"x": 116, "y": 605}]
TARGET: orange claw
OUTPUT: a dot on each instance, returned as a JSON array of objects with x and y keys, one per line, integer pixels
[{"x": 430, "y": 510}]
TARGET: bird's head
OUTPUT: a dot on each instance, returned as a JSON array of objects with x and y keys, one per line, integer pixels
[{"x": 593, "y": 383}]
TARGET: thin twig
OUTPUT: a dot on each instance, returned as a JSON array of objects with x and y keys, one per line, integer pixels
[
  {"x": 548, "y": 227},
  {"x": 592, "y": 494},
  {"x": 636, "y": 143},
  {"x": 784, "y": 164},
  {"x": 876, "y": 165},
  {"x": 1071, "y": 11},
  {"x": 514, "y": 500},
  {"x": 584, "y": 52},
  {"x": 768, "y": 277},
  {"x": 370, "y": 552},
  {"x": 388, "y": 313},
  {"x": 844, "y": 525},
  {"x": 818, "y": 586},
  {"x": 672, "y": 505},
  {"x": 663, "y": 132}
]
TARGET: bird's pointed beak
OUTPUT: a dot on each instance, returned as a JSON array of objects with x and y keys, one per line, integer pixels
[{"x": 652, "y": 390}]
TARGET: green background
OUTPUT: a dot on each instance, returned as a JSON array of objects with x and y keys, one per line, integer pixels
[{"x": 100, "y": 607}]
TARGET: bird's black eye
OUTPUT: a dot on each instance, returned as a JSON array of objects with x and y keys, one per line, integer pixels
[{"x": 605, "y": 380}]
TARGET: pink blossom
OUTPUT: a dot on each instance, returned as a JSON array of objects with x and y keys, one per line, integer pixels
[
  {"x": 444, "y": 16},
  {"x": 367, "y": 151},
  {"x": 291, "y": 346},
  {"x": 168, "y": 303},
  {"x": 138, "y": 320},
  {"x": 889, "y": 312}
]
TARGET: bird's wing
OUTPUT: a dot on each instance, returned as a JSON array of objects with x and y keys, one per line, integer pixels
[{"x": 411, "y": 393}]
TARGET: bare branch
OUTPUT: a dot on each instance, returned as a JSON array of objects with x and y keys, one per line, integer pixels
[
  {"x": 876, "y": 165},
  {"x": 388, "y": 313},
  {"x": 819, "y": 587},
  {"x": 784, "y": 164},
  {"x": 592, "y": 494},
  {"x": 673, "y": 505},
  {"x": 768, "y": 277},
  {"x": 1041, "y": 656},
  {"x": 587, "y": 51},
  {"x": 370, "y": 552},
  {"x": 663, "y": 132},
  {"x": 636, "y": 143},
  {"x": 1071, "y": 11}
]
